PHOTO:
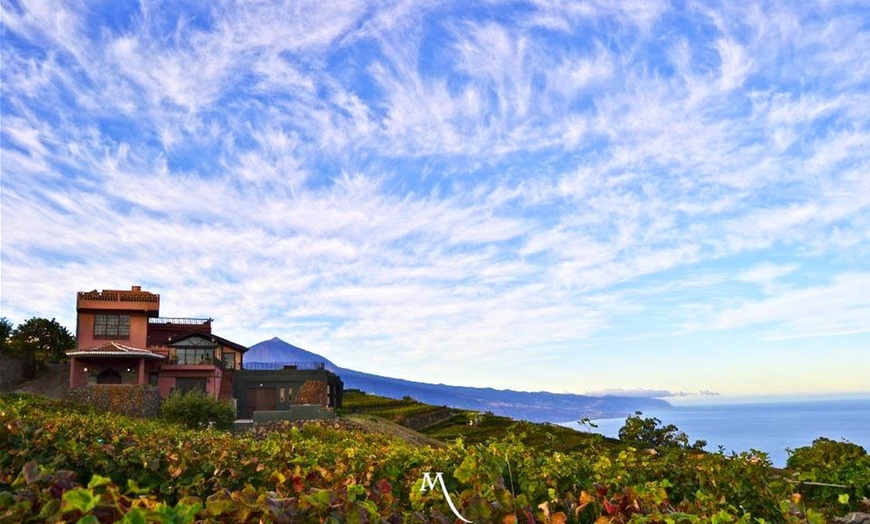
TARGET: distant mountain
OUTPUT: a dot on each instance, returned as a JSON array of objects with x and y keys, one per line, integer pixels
[
  {"x": 276, "y": 350},
  {"x": 533, "y": 406}
]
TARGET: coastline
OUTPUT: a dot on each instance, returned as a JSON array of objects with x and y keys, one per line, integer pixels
[{"x": 771, "y": 427}]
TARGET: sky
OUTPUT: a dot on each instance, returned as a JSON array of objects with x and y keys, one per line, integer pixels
[{"x": 572, "y": 196}]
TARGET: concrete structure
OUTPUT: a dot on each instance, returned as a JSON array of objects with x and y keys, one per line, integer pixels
[{"x": 303, "y": 383}]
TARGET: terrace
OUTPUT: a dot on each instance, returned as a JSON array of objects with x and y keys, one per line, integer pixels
[
  {"x": 118, "y": 300},
  {"x": 273, "y": 366},
  {"x": 180, "y": 321},
  {"x": 117, "y": 295}
]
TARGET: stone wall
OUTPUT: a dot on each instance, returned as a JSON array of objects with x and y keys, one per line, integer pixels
[
  {"x": 129, "y": 400},
  {"x": 11, "y": 372},
  {"x": 312, "y": 392}
]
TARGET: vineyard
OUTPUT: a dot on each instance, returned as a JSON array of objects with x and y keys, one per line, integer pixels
[
  {"x": 474, "y": 427},
  {"x": 60, "y": 463}
]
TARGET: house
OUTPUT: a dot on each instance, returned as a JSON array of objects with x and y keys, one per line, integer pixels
[{"x": 123, "y": 340}]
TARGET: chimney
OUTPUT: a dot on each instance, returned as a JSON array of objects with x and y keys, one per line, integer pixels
[{"x": 137, "y": 288}]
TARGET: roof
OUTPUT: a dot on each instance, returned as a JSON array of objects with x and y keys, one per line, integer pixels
[
  {"x": 113, "y": 349},
  {"x": 204, "y": 334}
]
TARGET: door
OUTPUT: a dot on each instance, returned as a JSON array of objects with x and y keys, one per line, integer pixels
[{"x": 261, "y": 399}]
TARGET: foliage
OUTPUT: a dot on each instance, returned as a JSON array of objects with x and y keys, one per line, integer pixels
[
  {"x": 197, "y": 410},
  {"x": 43, "y": 496},
  {"x": 146, "y": 470},
  {"x": 830, "y": 462},
  {"x": 5, "y": 334},
  {"x": 41, "y": 340},
  {"x": 649, "y": 432}
]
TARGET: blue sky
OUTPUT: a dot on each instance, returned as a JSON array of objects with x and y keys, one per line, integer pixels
[{"x": 544, "y": 195}]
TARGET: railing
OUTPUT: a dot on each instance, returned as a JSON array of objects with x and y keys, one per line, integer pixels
[
  {"x": 179, "y": 320},
  {"x": 272, "y": 366},
  {"x": 193, "y": 361},
  {"x": 119, "y": 296}
]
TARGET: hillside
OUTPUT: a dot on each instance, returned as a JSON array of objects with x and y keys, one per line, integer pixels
[
  {"x": 539, "y": 406},
  {"x": 442, "y": 424}
]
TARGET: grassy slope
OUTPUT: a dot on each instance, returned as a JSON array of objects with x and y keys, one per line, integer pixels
[
  {"x": 472, "y": 427},
  {"x": 375, "y": 424}
]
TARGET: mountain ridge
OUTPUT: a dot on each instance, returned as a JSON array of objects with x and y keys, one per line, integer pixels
[{"x": 540, "y": 406}]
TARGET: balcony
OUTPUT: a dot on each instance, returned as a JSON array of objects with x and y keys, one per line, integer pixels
[
  {"x": 180, "y": 321},
  {"x": 110, "y": 295},
  {"x": 272, "y": 366},
  {"x": 195, "y": 359},
  {"x": 119, "y": 300}
]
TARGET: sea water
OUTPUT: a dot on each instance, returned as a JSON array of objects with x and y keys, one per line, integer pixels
[{"x": 771, "y": 427}]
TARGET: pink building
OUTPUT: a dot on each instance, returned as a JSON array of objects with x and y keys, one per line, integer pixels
[{"x": 121, "y": 339}]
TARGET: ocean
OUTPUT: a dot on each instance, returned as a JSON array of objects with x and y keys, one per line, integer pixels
[{"x": 772, "y": 427}]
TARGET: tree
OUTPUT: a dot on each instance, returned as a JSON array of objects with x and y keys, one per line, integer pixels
[
  {"x": 41, "y": 340},
  {"x": 5, "y": 333},
  {"x": 649, "y": 432}
]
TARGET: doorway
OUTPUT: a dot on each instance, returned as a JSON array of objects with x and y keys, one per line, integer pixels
[
  {"x": 261, "y": 399},
  {"x": 109, "y": 376}
]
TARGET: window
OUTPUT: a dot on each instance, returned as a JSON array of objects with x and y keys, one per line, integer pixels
[
  {"x": 192, "y": 357},
  {"x": 194, "y": 351},
  {"x": 229, "y": 360},
  {"x": 112, "y": 326}
]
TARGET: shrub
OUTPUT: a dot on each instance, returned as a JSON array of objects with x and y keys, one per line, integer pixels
[
  {"x": 197, "y": 410},
  {"x": 650, "y": 432},
  {"x": 836, "y": 464}
]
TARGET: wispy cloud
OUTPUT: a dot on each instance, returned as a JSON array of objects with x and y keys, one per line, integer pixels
[
  {"x": 807, "y": 311},
  {"x": 462, "y": 185}
]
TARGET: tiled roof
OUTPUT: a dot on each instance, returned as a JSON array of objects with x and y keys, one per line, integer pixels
[{"x": 113, "y": 349}]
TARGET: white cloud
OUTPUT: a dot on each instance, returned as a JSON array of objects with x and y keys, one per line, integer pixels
[
  {"x": 766, "y": 274},
  {"x": 735, "y": 64},
  {"x": 842, "y": 306},
  {"x": 373, "y": 178}
]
